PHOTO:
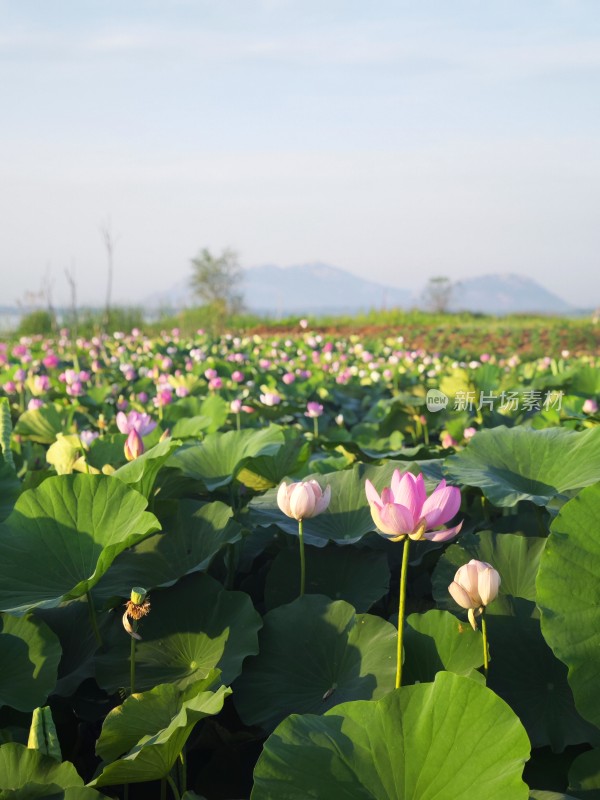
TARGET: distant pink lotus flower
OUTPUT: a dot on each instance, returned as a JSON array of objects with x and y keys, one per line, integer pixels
[
  {"x": 215, "y": 383},
  {"x": 87, "y": 437},
  {"x": 163, "y": 398},
  {"x": 135, "y": 421},
  {"x": 403, "y": 509},
  {"x": 590, "y": 406},
  {"x": 182, "y": 391},
  {"x": 288, "y": 378},
  {"x": 448, "y": 441},
  {"x": 469, "y": 433},
  {"x": 313, "y": 410},
  {"x": 270, "y": 399},
  {"x": 237, "y": 376},
  {"x": 50, "y": 361},
  {"x": 209, "y": 374},
  {"x": 34, "y": 403}
]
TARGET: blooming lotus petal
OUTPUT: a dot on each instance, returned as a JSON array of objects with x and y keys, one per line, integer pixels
[
  {"x": 441, "y": 506},
  {"x": 302, "y": 501},
  {"x": 397, "y": 520},
  {"x": 372, "y": 494},
  {"x": 387, "y": 496},
  {"x": 283, "y": 499},
  {"x": 122, "y": 424},
  {"x": 443, "y": 536},
  {"x": 323, "y": 500},
  {"x": 405, "y": 494},
  {"x": 489, "y": 583},
  {"x": 460, "y": 596}
]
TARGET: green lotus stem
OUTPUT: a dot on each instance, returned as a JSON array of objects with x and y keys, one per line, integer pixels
[
  {"x": 401, "y": 607},
  {"x": 132, "y": 662},
  {"x": 93, "y": 620},
  {"x": 302, "y": 563},
  {"x": 316, "y": 427},
  {"x": 174, "y": 789},
  {"x": 238, "y": 421},
  {"x": 486, "y": 660}
]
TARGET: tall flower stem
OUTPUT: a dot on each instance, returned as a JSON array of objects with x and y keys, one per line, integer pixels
[
  {"x": 316, "y": 427},
  {"x": 93, "y": 620},
  {"x": 174, "y": 788},
  {"x": 401, "y": 607},
  {"x": 302, "y": 564},
  {"x": 485, "y": 644},
  {"x": 132, "y": 662}
]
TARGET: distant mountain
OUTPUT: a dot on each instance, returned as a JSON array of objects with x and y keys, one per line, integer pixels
[
  {"x": 506, "y": 294},
  {"x": 316, "y": 288},
  {"x": 322, "y": 289}
]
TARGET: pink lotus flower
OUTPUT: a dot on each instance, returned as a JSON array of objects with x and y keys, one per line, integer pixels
[
  {"x": 270, "y": 399},
  {"x": 143, "y": 424},
  {"x": 303, "y": 500},
  {"x": 313, "y": 410},
  {"x": 474, "y": 587},
  {"x": 403, "y": 509},
  {"x": 590, "y": 406}
]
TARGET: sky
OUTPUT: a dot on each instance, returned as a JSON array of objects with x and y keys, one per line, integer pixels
[{"x": 397, "y": 139}]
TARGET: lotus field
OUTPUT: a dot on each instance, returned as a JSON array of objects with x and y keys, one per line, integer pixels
[{"x": 297, "y": 565}]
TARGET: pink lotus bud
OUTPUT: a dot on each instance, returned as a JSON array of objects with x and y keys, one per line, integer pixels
[
  {"x": 288, "y": 378},
  {"x": 590, "y": 406},
  {"x": 215, "y": 383},
  {"x": 236, "y": 406},
  {"x": 237, "y": 376},
  {"x": 469, "y": 433},
  {"x": 134, "y": 446},
  {"x": 303, "y": 500},
  {"x": 475, "y": 586},
  {"x": 313, "y": 410}
]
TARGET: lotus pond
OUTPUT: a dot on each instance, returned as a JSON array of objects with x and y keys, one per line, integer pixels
[{"x": 213, "y": 551}]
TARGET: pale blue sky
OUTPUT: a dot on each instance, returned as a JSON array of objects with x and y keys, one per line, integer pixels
[{"x": 399, "y": 140}]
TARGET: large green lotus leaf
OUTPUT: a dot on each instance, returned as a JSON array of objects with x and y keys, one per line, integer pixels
[
  {"x": 436, "y": 641},
  {"x": 71, "y": 623},
  {"x": 40, "y": 424},
  {"x": 512, "y": 464},
  {"x": 29, "y": 657},
  {"x": 265, "y": 471},
  {"x": 62, "y": 537},
  {"x": 26, "y": 774},
  {"x": 192, "y": 416},
  {"x": 151, "y": 729},
  {"x": 140, "y": 474},
  {"x": 144, "y": 714},
  {"x": 217, "y": 459},
  {"x": 453, "y": 739},
  {"x": 569, "y": 596},
  {"x": 10, "y": 488},
  {"x": 314, "y": 654},
  {"x": 525, "y": 673},
  {"x": 358, "y": 576},
  {"x": 192, "y": 628},
  {"x": 193, "y": 533},
  {"x": 515, "y": 557},
  {"x": 107, "y": 450},
  {"x": 348, "y": 517},
  {"x": 584, "y": 776}
]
